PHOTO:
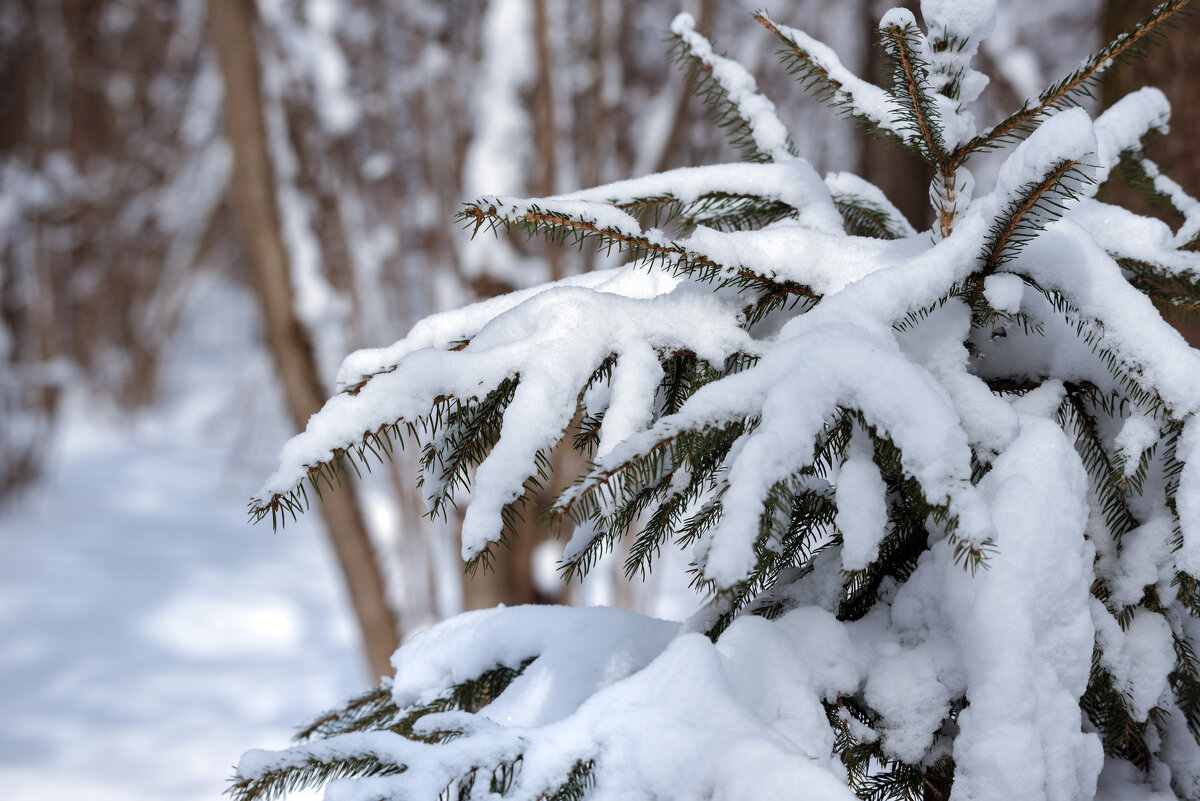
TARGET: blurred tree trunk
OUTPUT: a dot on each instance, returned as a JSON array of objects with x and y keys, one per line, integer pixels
[
  {"x": 509, "y": 579},
  {"x": 252, "y": 190},
  {"x": 1171, "y": 67}
]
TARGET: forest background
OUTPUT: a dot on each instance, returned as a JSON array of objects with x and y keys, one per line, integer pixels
[{"x": 203, "y": 207}]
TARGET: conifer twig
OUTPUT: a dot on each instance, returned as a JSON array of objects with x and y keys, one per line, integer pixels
[
  {"x": 681, "y": 259},
  {"x": 1124, "y": 45},
  {"x": 816, "y": 66},
  {"x": 913, "y": 76},
  {"x": 748, "y": 117}
]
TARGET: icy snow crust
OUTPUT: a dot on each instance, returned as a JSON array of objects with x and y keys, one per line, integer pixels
[{"x": 882, "y": 327}]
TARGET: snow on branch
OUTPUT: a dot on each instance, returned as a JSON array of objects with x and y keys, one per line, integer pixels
[
  {"x": 547, "y": 365},
  {"x": 1038, "y": 183},
  {"x": 748, "y": 117},
  {"x": 1122, "y": 126},
  {"x": 698, "y": 256},
  {"x": 1062, "y": 93},
  {"x": 866, "y": 210},
  {"x": 908, "y": 52},
  {"x": 818, "y": 67},
  {"x": 940, "y": 490},
  {"x": 697, "y": 190}
]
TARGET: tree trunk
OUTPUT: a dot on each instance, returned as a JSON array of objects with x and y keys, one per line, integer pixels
[
  {"x": 252, "y": 191},
  {"x": 1172, "y": 66}
]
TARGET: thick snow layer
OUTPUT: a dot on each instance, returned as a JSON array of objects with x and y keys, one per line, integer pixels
[
  {"x": 568, "y": 643},
  {"x": 1139, "y": 656},
  {"x": 793, "y": 182},
  {"x": 699, "y": 721},
  {"x": 1021, "y": 562},
  {"x": 862, "y": 506},
  {"x": 540, "y": 343},
  {"x": 1026, "y": 630},
  {"x": 1123, "y": 234},
  {"x": 796, "y": 387},
  {"x": 1067, "y": 258},
  {"x": 459, "y": 325},
  {"x": 1004, "y": 292},
  {"x": 962, "y": 26},
  {"x": 1122, "y": 126}
]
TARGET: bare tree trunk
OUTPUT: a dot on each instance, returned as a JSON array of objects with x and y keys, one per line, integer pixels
[{"x": 252, "y": 189}]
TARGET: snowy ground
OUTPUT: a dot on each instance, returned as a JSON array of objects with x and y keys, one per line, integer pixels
[{"x": 150, "y": 635}]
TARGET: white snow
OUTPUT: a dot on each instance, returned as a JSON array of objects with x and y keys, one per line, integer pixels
[
  {"x": 1004, "y": 292},
  {"x": 984, "y": 651},
  {"x": 862, "y": 506},
  {"x": 864, "y": 97},
  {"x": 768, "y": 133},
  {"x": 1026, "y": 630},
  {"x": 149, "y": 635}
]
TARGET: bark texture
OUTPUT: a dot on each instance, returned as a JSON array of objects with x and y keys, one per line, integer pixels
[{"x": 252, "y": 191}]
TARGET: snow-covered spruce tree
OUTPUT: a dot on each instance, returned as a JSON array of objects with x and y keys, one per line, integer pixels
[{"x": 942, "y": 488}]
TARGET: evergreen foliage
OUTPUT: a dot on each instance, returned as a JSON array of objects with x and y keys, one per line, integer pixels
[{"x": 941, "y": 489}]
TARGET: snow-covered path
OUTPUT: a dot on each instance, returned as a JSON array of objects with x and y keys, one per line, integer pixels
[{"x": 150, "y": 635}]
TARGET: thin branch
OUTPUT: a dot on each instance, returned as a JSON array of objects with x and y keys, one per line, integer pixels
[
  {"x": 685, "y": 260},
  {"x": 908, "y": 66},
  {"x": 1123, "y": 45}
]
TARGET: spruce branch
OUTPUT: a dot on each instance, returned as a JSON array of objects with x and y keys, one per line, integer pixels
[
  {"x": 1091, "y": 333},
  {"x": 1039, "y": 203},
  {"x": 377, "y": 710},
  {"x": 872, "y": 773},
  {"x": 472, "y": 427},
  {"x": 1078, "y": 414},
  {"x": 374, "y": 710},
  {"x": 536, "y": 221},
  {"x": 374, "y": 446},
  {"x": 747, "y": 117},
  {"x": 864, "y": 218},
  {"x": 1079, "y": 81},
  {"x": 579, "y": 783},
  {"x": 314, "y": 772},
  {"x": 795, "y": 520},
  {"x": 912, "y": 93},
  {"x": 1145, "y": 175},
  {"x": 721, "y": 211},
  {"x": 820, "y": 72},
  {"x": 1024, "y": 216},
  {"x": 615, "y": 498},
  {"x": 1168, "y": 289}
]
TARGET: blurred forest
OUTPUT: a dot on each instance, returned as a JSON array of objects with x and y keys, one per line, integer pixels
[{"x": 314, "y": 153}]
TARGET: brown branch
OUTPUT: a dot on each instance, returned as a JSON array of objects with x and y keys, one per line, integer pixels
[
  {"x": 635, "y": 243},
  {"x": 1011, "y": 226},
  {"x": 949, "y": 191},
  {"x": 1117, "y": 48},
  {"x": 1042, "y": 188},
  {"x": 800, "y": 54},
  {"x": 908, "y": 68}
]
